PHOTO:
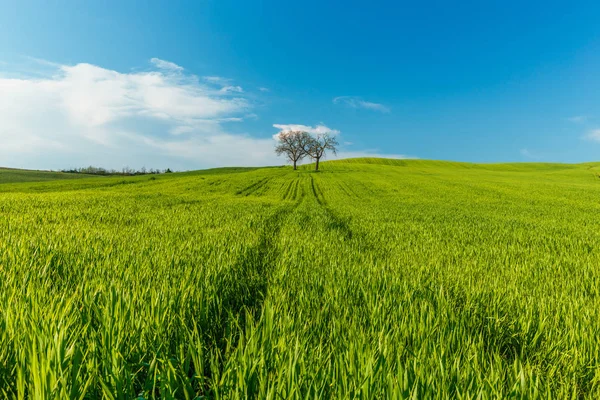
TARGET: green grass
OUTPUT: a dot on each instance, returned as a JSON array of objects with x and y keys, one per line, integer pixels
[{"x": 370, "y": 279}]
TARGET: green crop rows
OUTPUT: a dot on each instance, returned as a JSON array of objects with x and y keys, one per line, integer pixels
[{"x": 370, "y": 279}]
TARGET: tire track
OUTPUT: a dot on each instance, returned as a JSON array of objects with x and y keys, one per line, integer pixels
[
  {"x": 248, "y": 190},
  {"x": 246, "y": 287}
]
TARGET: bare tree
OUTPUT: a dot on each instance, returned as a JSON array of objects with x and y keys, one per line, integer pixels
[
  {"x": 293, "y": 144},
  {"x": 318, "y": 145}
]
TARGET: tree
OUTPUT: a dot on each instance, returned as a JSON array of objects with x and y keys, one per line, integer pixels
[
  {"x": 318, "y": 145},
  {"x": 293, "y": 144}
]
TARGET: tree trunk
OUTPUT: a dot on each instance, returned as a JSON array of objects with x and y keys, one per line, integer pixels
[
  {"x": 317, "y": 165},
  {"x": 294, "y": 165}
]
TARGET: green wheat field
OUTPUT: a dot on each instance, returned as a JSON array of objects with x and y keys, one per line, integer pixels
[{"x": 374, "y": 278}]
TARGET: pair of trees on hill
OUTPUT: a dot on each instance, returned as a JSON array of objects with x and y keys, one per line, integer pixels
[{"x": 296, "y": 145}]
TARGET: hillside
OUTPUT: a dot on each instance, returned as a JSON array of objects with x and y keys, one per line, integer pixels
[
  {"x": 22, "y": 180},
  {"x": 11, "y": 175},
  {"x": 371, "y": 279}
]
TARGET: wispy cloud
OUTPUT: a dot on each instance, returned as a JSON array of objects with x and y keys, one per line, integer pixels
[
  {"x": 166, "y": 65},
  {"x": 528, "y": 154},
  {"x": 578, "y": 119},
  {"x": 43, "y": 62},
  {"x": 84, "y": 114},
  {"x": 263, "y": 89},
  {"x": 593, "y": 135},
  {"x": 232, "y": 89},
  {"x": 315, "y": 130},
  {"x": 225, "y": 84},
  {"x": 370, "y": 154},
  {"x": 357, "y": 102},
  {"x": 217, "y": 80}
]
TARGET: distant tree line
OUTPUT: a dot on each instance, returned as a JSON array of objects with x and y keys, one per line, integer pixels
[
  {"x": 126, "y": 171},
  {"x": 296, "y": 145}
]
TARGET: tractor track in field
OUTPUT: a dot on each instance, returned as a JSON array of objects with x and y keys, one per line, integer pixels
[
  {"x": 248, "y": 190},
  {"x": 291, "y": 191},
  {"x": 258, "y": 260},
  {"x": 316, "y": 192},
  {"x": 341, "y": 224},
  {"x": 250, "y": 282},
  {"x": 337, "y": 223},
  {"x": 347, "y": 190}
]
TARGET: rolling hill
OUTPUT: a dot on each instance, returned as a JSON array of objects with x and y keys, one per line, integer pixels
[{"x": 12, "y": 175}]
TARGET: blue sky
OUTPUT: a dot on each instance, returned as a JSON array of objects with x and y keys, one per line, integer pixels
[{"x": 202, "y": 83}]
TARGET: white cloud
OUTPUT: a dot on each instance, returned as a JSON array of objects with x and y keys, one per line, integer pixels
[
  {"x": 357, "y": 102},
  {"x": 578, "y": 119},
  {"x": 593, "y": 135},
  {"x": 84, "y": 114},
  {"x": 316, "y": 130},
  {"x": 263, "y": 89},
  {"x": 232, "y": 89},
  {"x": 162, "y": 64},
  {"x": 217, "y": 150}
]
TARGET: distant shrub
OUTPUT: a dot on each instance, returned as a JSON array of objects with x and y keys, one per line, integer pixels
[{"x": 126, "y": 171}]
